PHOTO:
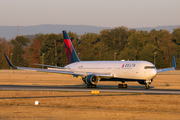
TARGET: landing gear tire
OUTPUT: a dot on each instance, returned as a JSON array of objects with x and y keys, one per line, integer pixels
[
  {"x": 91, "y": 86},
  {"x": 147, "y": 87},
  {"x": 122, "y": 85}
]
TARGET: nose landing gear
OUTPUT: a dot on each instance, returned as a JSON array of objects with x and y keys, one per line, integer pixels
[
  {"x": 146, "y": 83},
  {"x": 147, "y": 86}
]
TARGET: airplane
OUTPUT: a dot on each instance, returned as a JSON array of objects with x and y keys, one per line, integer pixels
[{"x": 92, "y": 72}]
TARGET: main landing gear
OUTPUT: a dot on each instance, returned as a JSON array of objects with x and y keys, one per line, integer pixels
[
  {"x": 122, "y": 85},
  {"x": 91, "y": 86}
]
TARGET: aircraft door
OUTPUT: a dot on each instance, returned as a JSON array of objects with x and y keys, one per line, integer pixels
[{"x": 136, "y": 71}]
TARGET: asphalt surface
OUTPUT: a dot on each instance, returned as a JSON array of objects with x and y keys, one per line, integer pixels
[{"x": 84, "y": 89}]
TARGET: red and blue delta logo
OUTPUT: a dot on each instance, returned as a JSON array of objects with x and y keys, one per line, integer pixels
[{"x": 122, "y": 66}]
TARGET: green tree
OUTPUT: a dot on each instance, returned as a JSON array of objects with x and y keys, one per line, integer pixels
[
  {"x": 35, "y": 52},
  {"x": 128, "y": 54},
  {"x": 176, "y": 40},
  {"x": 115, "y": 40},
  {"x": 176, "y": 36},
  {"x": 5, "y": 48},
  {"x": 147, "y": 53},
  {"x": 89, "y": 49},
  {"x": 48, "y": 48},
  {"x": 19, "y": 44}
]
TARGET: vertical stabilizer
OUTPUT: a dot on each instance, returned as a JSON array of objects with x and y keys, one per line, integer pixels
[{"x": 70, "y": 51}]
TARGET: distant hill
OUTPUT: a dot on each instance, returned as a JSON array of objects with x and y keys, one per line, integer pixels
[
  {"x": 169, "y": 28},
  {"x": 10, "y": 32}
]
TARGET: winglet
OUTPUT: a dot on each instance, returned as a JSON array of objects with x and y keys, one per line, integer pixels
[
  {"x": 174, "y": 62},
  {"x": 10, "y": 64}
]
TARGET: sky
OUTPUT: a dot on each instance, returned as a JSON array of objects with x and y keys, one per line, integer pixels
[{"x": 101, "y": 13}]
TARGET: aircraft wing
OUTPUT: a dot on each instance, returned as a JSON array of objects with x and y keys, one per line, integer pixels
[
  {"x": 164, "y": 70},
  {"x": 50, "y": 66},
  {"x": 74, "y": 73},
  {"x": 60, "y": 71},
  {"x": 168, "y": 69}
]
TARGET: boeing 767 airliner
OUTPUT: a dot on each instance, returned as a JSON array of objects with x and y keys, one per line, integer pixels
[{"x": 92, "y": 72}]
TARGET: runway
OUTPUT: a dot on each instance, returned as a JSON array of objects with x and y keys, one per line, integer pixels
[{"x": 84, "y": 89}]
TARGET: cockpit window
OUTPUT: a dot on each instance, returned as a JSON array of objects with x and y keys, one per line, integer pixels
[{"x": 149, "y": 67}]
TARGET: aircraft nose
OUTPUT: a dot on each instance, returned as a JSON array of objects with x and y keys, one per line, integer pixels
[{"x": 153, "y": 73}]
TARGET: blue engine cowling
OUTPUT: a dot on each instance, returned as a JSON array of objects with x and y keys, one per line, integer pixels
[{"x": 92, "y": 79}]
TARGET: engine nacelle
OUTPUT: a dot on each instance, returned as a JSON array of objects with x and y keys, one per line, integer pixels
[
  {"x": 144, "y": 82},
  {"x": 92, "y": 79}
]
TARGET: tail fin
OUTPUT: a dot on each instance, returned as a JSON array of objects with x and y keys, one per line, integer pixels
[{"x": 70, "y": 51}]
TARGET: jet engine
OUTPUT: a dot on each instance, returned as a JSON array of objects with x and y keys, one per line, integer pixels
[
  {"x": 143, "y": 82},
  {"x": 92, "y": 79}
]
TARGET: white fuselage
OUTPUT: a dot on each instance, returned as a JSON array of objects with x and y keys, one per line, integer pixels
[{"x": 141, "y": 70}]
